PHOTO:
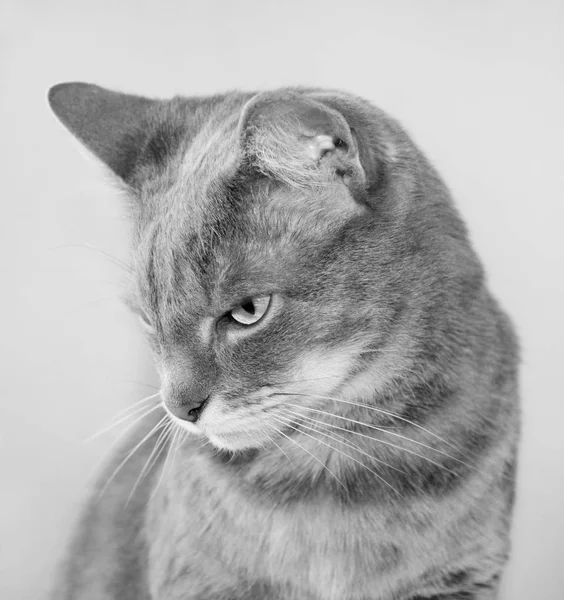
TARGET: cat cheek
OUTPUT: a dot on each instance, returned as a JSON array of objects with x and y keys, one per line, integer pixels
[{"x": 320, "y": 372}]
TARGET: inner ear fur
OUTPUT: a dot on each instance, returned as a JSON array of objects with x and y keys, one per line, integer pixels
[{"x": 299, "y": 140}]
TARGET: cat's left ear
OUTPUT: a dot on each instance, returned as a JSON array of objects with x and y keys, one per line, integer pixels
[
  {"x": 115, "y": 127},
  {"x": 300, "y": 141}
]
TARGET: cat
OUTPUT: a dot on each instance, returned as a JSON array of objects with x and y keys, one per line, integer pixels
[{"x": 338, "y": 382}]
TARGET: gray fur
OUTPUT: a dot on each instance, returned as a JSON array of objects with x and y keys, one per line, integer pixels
[{"x": 376, "y": 291}]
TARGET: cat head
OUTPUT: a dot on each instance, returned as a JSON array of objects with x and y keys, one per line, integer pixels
[{"x": 274, "y": 243}]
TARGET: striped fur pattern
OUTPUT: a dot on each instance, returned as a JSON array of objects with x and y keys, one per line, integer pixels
[{"x": 359, "y": 441}]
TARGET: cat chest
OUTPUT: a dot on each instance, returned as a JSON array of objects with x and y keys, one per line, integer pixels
[{"x": 304, "y": 554}]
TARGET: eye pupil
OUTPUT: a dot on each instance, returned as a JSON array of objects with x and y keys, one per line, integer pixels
[
  {"x": 251, "y": 310},
  {"x": 248, "y": 306}
]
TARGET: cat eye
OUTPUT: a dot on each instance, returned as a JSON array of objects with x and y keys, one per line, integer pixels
[{"x": 252, "y": 310}]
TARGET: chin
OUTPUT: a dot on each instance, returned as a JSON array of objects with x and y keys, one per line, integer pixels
[{"x": 236, "y": 442}]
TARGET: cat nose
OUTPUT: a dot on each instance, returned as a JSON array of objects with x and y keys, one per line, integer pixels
[{"x": 189, "y": 410}]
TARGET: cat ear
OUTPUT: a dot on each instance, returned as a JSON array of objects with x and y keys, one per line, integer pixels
[
  {"x": 300, "y": 141},
  {"x": 112, "y": 125}
]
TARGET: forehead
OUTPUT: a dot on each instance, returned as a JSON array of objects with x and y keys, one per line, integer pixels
[
  {"x": 217, "y": 231},
  {"x": 238, "y": 245}
]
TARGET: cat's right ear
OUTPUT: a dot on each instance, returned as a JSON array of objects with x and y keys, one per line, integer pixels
[{"x": 112, "y": 125}]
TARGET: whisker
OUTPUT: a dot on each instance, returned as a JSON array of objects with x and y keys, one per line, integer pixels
[
  {"x": 138, "y": 402},
  {"x": 139, "y": 414},
  {"x": 185, "y": 436},
  {"x": 301, "y": 380},
  {"x": 347, "y": 456},
  {"x": 312, "y": 456},
  {"x": 384, "y": 412},
  {"x": 380, "y": 440},
  {"x": 133, "y": 411},
  {"x": 113, "y": 259},
  {"x": 153, "y": 457},
  {"x": 392, "y": 433},
  {"x": 109, "y": 449},
  {"x": 336, "y": 436},
  {"x": 279, "y": 447},
  {"x": 171, "y": 432},
  {"x": 131, "y": 453},
  {"x": 149, "y": 385},
  {"x": 177, "y": 443},
  {"x": 210, "y": 521}
]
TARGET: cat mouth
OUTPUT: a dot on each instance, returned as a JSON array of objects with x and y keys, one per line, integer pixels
[
  {"x": 239, "y": 438},
  {"x": 222, "y": 440}
]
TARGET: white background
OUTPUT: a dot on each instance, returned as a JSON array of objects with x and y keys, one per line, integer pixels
[{"x": 480, "y": 86}]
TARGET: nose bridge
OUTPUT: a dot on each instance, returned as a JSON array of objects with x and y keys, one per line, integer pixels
[{"x": 190, "y": 378}]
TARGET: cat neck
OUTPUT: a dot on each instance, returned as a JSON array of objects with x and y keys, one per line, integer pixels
[{"x": 354, "y": 453}]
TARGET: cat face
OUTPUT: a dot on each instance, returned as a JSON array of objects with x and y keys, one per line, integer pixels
[
  {"x": 261, "y": 270},
  {"x": 257, "y": 299}
]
